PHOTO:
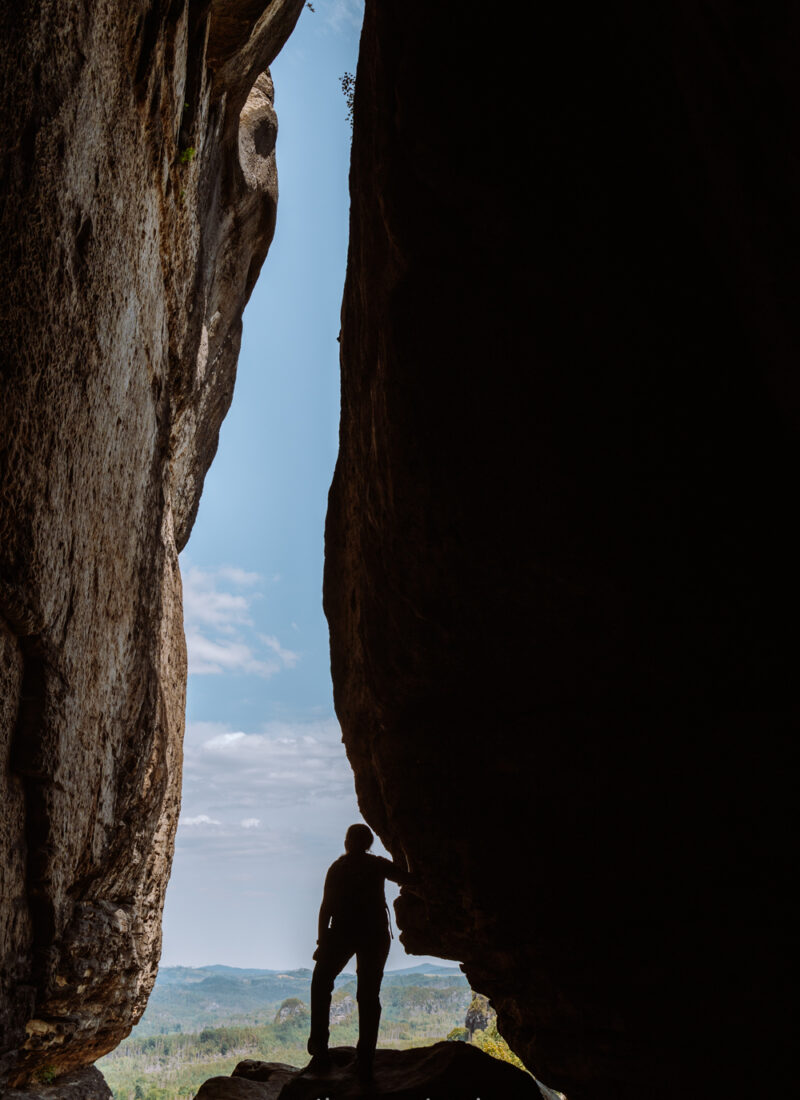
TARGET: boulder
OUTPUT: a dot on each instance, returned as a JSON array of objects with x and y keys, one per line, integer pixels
[
  {"x": 250, "y": 1080},
  {"x": 82, "y": 1084},
  {"x": 561, "y": 550},
  {"x": 255, "y": 1070},
  {"x": 444, "y": 1071}
]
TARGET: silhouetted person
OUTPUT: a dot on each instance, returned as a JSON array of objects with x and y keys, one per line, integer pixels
[{"x": 353, "y": 920}]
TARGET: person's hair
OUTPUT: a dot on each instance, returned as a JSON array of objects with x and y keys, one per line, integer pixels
[{"x": 358, "y": 838}]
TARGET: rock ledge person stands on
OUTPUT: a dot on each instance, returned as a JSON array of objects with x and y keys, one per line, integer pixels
[{"x": 353, "y": 920}]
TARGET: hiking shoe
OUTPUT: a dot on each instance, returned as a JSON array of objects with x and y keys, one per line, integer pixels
[
  {"x": 364, "y": 1071},
  {"x": 319, "y": 1064}
]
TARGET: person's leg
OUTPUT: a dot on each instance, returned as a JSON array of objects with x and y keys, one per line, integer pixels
[
  {"x": 332, "y": 958},
  {"x": 371, "y": 959}
]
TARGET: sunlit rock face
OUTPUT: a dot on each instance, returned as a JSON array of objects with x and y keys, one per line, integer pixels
[
  {"x": 139, "y": 191},
  {"x": 562, "y": 551}
]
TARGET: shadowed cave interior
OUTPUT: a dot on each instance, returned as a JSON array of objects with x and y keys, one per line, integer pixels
[{"x": 561, "y": 550}]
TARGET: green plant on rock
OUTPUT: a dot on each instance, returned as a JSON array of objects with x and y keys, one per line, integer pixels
[
  {"x": 348, "y": 82},
  {"x": 492, "y": 1042},
  {"x": 188, "y": 154}
]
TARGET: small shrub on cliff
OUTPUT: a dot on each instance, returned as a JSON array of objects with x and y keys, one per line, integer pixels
[
  {"x": 348, "y": 82},
  {"x": 492, "y": 1042}
]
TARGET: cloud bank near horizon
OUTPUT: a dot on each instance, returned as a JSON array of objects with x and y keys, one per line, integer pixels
[{"x": 231, "y": 776}]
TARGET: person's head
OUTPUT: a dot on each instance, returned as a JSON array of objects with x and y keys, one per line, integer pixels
[{"x": 358, "y": 838}]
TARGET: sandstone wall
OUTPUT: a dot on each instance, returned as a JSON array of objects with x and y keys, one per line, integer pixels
[
  {"x": 139, "y": 192},
  {"x": 561, "y": 572}
]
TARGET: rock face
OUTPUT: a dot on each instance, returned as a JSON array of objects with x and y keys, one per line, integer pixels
[
  {"x": 561, "y": 573},
  {"x": 343, "y": 1005},
  {"x": 479, "y": 1015},
  {"x": 289, "y": 1009},
  {"x": 139, "y": 189},
  {"x": 82, "y": 1084},
  {"x": 444, "y": 1071}
]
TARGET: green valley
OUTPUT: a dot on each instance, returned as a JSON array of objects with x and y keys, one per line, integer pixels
[{"x": 200, "y": 1022}]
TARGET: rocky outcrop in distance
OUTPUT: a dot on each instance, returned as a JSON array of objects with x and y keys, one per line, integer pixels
[
  {"x": 139, "y": 189},
  {"x": 343, "y": 1005},
  {"x": 479, "y": 1015},
  {"x": 290, "y": 1009},
  {"x": 561, "y": 550}
]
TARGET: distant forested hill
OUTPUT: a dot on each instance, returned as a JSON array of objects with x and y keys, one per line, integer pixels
[
  {"x": 212, "y": 996},
  {"x": 188, "y": 999},
  {"x": 201, "y": 1022}
]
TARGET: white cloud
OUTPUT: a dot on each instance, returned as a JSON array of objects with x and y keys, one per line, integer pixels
[
  {"x": 203, "y": 602},
  {"x": 286, "y": 656},
  {"x": 341, "y": 13},
  {"x": 238, "y": 576},
  {"x": 208, "y": 658},
  {"x": 201, "y": 819},
  {"x": 250, "y": 823},
  {"x": 203, "y": 731},
  {"x": 220, "y": 632},
  {"x": 232, "y": 852},
  {"x": 286, "y": 764}
]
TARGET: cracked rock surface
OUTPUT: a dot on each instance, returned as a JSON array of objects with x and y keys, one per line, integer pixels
[
  {"x": 561, "y": 549},
  {"x": 443, "y": 1071},
  {"x": 138, "y": 190}
]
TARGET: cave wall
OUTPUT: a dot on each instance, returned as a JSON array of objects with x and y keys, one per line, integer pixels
[
  {"x": 139, "y": 190},
  {"x": 561, "y": 554}
]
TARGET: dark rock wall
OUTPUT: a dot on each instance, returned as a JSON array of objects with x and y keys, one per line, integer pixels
[
  {"x": 561, "y": 573},
  {"x": 138, "y": 194}
]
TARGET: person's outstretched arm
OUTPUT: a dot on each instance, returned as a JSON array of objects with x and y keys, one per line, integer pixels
[{"x": 403, "y": 876}]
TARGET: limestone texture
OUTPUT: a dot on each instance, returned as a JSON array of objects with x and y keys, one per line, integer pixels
[
  {"x": 290, "y": 1008},
  {"x": 82, "y": 1084},
  {"x": 561, "y": 550},
  {"x": 138, "y": 189},
  {"x": 443, "y": 1071},
  {"x": 242, "y": 1088},
  {"x": 479, "y": 1015},
  {"x": 342, "y": 1007}
]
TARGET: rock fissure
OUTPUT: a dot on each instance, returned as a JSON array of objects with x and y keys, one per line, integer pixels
[
  {"x": 129, "y": 250},
  {"x": 560, "y": 563}
]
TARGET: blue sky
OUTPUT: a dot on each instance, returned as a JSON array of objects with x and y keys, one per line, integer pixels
[{"x": 268, "y": 792}]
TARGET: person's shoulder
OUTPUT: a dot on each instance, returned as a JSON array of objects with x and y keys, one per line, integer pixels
[{"x": 337, "y": 866}]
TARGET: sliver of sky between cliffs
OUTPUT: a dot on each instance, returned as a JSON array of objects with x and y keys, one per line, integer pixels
[{"x": 267, "y": 789}]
